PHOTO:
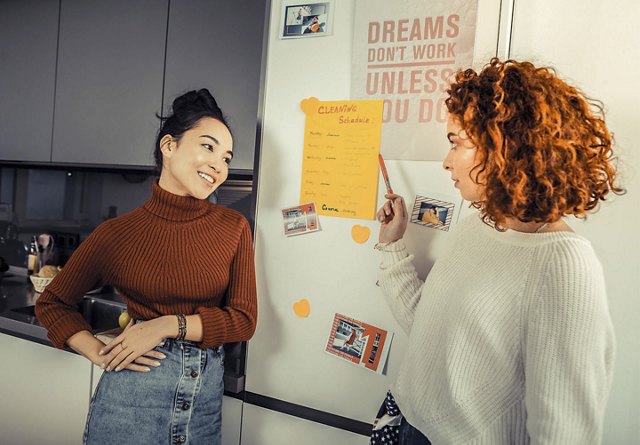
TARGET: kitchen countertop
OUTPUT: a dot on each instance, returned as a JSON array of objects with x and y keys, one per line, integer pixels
[
  {"x": 17, "y": 292},
  {"x": 16, "y": 319}
]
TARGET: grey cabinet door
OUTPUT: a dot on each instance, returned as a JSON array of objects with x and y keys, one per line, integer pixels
[
  {"x": 28, "y": 41},
  {"x": 109, "y": 81},
  {"x": 218, "y": 45}
]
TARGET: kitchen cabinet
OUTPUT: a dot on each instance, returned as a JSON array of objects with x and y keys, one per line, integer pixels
[
  {"x": 109, "y": 81},
  {"x": 81, "y": 81},
  {"x": 262, "y": 426},
  {"x": 45, "y": 393},
  {"x": 28, "y": 40},
  {"x": 218, "y": 46}
]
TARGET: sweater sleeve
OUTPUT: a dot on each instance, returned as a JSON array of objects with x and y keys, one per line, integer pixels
[
  {"x": 569, "y": 354},
  {"x": 400, "y": 284},
  {"x": 58, "y": 306},
  {"x": 237, "y": 320}
]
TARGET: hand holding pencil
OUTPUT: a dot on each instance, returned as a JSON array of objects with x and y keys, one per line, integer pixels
[
  {"x": 385, "y": 175},
  {"x": 393, "y": 215}
]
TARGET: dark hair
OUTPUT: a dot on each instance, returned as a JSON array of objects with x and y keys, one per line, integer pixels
[
  {"x": 187, "y": 110},
  {"x": 544, "y": 150}
]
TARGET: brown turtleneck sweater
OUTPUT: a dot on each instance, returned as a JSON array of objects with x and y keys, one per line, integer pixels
[{"x": 173, "y": 255}]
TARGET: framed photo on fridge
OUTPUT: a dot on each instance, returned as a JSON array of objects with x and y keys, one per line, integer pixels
[{"x": 306, "y": 18}]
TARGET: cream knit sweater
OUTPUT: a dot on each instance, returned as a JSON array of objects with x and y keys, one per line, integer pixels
[{"x": 510, "y": 339}]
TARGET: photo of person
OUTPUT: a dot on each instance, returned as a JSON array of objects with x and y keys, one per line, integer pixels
[
  {"x": 314, "y": 25},
  {"x": 295, "y": 220},
  {"x": 300, "y": 219},
  {"x": 359, "y": 343},
  {"x": 432, "y": 213},
  {"x": 349, "y": 338},
  {"x": 305, "y": 20},
  {"x": 294, "y": 16}
]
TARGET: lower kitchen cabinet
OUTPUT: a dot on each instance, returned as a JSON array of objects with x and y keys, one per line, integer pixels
[
  {"x": 262, "y": 426},
  {"x": 44, "y": 393}
]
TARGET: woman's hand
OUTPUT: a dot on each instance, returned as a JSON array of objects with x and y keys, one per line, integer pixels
[
  {"x": 134, "y": 348},
  {"x": 393, "y": 218},
  {"x": 88, "y": 346}
]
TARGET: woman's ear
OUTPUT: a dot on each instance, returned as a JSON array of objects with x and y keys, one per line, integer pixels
[{"x": 167, "y": 145}]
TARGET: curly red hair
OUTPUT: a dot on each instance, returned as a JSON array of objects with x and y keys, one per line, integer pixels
[{"x": 544, "y": 150}]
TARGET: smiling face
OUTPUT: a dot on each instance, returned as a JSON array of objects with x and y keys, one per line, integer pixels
[
  {"x": 460, "y": 161},
  {"x": 197, "y": 163}
]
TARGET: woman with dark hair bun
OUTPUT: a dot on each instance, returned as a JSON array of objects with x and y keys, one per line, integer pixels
[
  {"x": 185, "y": 269},
  {"x": 510, "y": 338},
  {"x": 187, "y": 109}
]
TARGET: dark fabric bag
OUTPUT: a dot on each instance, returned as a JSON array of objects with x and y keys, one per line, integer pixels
[{"x": 386, "y": 427}]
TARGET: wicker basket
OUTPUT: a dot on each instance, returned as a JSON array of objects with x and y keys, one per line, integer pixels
[{"x": 39, "y": 283}]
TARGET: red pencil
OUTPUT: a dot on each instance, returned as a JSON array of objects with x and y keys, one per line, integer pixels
[{"x": 385, "y": 175}]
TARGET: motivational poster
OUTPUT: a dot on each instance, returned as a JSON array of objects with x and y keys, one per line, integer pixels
[
  {"x": 340, "y": 156},
  {"x": 405, "y": 52}
]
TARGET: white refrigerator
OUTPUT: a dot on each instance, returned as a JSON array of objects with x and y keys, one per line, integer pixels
[{"x": 296, "y": 392}]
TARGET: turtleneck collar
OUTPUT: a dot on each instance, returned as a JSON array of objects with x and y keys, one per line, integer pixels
[{"x": 172, "y": 207}]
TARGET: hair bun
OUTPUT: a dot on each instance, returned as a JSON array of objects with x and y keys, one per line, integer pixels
[
  {"x": 195, "y": 100},
  {"x": 205, "y": 96}
]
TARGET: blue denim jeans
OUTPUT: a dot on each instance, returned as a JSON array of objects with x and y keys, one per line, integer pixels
[{"x": 179, "y": 402}]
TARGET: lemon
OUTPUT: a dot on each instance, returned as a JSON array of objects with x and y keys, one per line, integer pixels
[{"x": 124, "y": 319}]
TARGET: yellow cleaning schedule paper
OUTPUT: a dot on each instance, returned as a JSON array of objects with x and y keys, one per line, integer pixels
[{"x": 340, "y": 157}]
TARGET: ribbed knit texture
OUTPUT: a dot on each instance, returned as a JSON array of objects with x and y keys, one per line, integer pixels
[
  {"x": 510, "y": 339},
  {"x": 173, "y": 255}
]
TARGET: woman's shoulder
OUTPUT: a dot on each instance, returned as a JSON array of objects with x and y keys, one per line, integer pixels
[
  {"x": 226, "y": 212},
  {"x": 225, "y": 215},
  {"x": 573, "y": 253},
  {"x": 569, "y": 272}
]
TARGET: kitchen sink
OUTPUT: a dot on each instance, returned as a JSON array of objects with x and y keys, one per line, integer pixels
[{"x": 101, "y": 314}]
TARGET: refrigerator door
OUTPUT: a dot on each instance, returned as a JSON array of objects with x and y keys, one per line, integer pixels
[
  {"x": 328, "y": 268},
  {"x": 274, "y": 428},
  {"x": 286, "y": 357}
]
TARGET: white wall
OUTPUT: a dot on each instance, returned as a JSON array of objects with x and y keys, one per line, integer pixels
[{"x": 596, "y": 45}]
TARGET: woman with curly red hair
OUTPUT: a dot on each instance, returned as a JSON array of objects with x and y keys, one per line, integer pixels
[{"x": 510, "y": 339}]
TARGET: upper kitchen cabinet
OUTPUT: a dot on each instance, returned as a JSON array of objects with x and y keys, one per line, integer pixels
[
  {"x": 218, "y": 45},
  {"x": 28, "y": 40},
  {"x": 109, "y": 81}
]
